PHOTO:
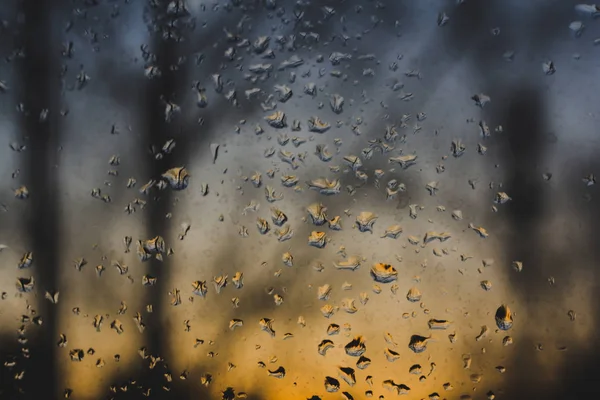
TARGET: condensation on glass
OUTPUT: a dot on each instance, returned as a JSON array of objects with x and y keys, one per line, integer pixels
[{"x": 299, "y": 199}]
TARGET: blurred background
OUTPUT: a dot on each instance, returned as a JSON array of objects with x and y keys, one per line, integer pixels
[{"x": 126, "y": 120}]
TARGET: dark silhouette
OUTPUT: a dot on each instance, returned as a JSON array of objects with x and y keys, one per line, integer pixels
[
  {"x": 158, "y": 127},
  {"x": 38, "y": 76},
  {"x": 525, "y": 134},
  {"x": 579, "y": 373},
  {"x": 527, "y": 138},
  {"x": 524, "y": 121}
]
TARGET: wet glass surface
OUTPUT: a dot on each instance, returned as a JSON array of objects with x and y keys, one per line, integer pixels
[{"x": 277, "y": 199}]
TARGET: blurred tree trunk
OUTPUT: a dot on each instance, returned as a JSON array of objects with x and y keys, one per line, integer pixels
[{"x": 38, "y": 74}]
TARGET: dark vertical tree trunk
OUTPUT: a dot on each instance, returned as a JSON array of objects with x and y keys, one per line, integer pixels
[
  {"x": 40, "y": 89},
  {"x": 156, "y": 131}
]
